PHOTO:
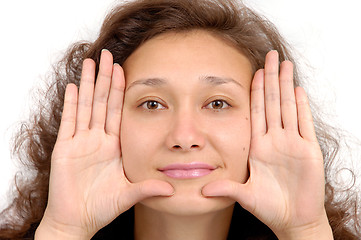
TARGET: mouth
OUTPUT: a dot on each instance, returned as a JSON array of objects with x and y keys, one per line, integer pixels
[{"x": 187, "y": 170}]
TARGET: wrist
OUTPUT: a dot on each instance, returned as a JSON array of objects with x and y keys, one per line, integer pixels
[
  {"x": 50, "y": 230},
  {"x": 320, "y": 231}
]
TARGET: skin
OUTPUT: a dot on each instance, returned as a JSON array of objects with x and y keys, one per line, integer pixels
[
  {"x": 185, "y": 127},
  {"x": 89, "y": 186}
]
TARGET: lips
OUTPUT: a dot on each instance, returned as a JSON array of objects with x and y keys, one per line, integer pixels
[{"x": 187, "y": 170}]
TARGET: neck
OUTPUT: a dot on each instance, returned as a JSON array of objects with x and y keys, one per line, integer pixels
[{"x": 151, "y": 224}]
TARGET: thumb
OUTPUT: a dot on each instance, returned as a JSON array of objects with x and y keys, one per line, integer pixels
[
  {"x": 227, "y": 188},
  {"x": 137, "y": 192}
]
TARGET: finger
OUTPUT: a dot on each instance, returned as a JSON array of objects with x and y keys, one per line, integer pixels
[
  {"x": 305, "y": 121},
  {"x": 258, "y": 117},
  {"x": 115, "y": 102},
  {"x": 86, "y": 91},
  {"x": 68, "y": 117},
  {"x": 232, "y": 189},
  {"x": 288, "y": 101},
  {"x": 143, "y": 190},
  {"x": 272, "y": 91},
  {"x": 101, "y": 91}
]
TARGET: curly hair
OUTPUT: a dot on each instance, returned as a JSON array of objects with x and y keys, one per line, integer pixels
[{"x": 125, "y": 28}]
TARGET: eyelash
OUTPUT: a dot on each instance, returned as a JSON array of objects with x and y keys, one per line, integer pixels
[
  {"x": 145, "y": 105},
  {"x": 223, "y": 103}
]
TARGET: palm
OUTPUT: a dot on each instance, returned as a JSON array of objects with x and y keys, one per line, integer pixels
[
  {"x": 278, "y": 178},
  {"x": 285, "y": 189},
  {"x": 88, "y": 187},
  {"x": 82, "y": 172}
]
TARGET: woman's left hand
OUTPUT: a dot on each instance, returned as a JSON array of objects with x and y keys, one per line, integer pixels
[{"x": 286, "y": 186}]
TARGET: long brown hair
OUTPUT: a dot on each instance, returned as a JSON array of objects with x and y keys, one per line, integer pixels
[{"x": 125, "y": 28}]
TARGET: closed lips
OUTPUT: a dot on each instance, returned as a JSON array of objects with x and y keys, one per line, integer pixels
[{"x": 187, "y": 170}]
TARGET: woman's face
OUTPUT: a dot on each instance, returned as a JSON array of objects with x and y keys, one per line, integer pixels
[{"x": 186, "y": 118}]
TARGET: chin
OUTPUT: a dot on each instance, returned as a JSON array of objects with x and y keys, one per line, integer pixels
[{"x": 187, "y": 201}]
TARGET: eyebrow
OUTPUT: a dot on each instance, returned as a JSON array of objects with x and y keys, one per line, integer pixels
[
  {"x": 209, "y": 80},
  {"x": 215, "y": 81},
  {"x": 151, "y": 82}
]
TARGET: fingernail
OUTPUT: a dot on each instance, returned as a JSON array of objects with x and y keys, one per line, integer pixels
[
  {"x": 209, "y": 193},
  {"x": 202, "y": 193},
  {"x": 104, "y": 49},
  {"x": 167, "y": 195},
  {"x": 171, "y": 189}
]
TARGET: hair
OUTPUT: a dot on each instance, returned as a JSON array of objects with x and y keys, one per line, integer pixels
[{"x": 125, "y": 28}]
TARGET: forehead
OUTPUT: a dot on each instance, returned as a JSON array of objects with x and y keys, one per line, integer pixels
[{"x": 187, "y": 55}]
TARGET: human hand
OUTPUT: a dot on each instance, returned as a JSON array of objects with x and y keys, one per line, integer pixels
[
  {"x": 88, "y": 187},
  {"x": 286, "y": 186}
]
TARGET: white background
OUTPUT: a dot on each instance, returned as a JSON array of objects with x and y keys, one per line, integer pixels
[{"x": 35, "y": 33}]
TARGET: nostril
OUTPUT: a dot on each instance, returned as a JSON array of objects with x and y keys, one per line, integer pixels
[{"x": 179, "y": 147}]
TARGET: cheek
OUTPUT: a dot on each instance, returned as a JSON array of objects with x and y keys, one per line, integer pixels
[
  {"x": 136, "y": 141},
  {"x": 139, "y": 134},
  {"x": 232, "y": 142}
]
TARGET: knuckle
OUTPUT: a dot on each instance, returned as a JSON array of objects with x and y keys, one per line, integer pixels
[
  {"x": 288, "y": 101},
  {"x": 115, "y": 111},
  {"x": 257, "y": 109},
  {"x": 233, "y": 188},
  {"x": 118, "y": 88},
  {"x": 70, "y": 102},
  {"x": 257, "y": 88},
  {"x": 102, "y": 99},
  {"x": 272, "y": 96},
  {"x": 286, "y": 80},
  {"x": 104, "y": 75},
  {"x": 140, "y": 189},
  {"x": 68, "y": 119},
  {"x": 302, "y": 102},
  {"x": 86, "y": 102},
  {"x": 271, "y": 73},
  {"x": 87, "y": 80},
  {"x": 307, "y": 120}
]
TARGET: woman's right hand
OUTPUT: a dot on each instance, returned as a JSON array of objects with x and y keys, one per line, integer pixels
[{"x": 88, "y": 187}]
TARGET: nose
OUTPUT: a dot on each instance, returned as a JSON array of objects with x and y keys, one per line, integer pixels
[{"x": 185, "y": 133}]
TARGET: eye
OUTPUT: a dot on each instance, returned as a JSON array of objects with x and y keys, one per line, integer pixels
[
  {"x": 152, "y": 105},
  {"x": 218, "y": 104}
]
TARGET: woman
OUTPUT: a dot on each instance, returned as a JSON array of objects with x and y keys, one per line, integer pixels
[{"x": 188, "y": 124}]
